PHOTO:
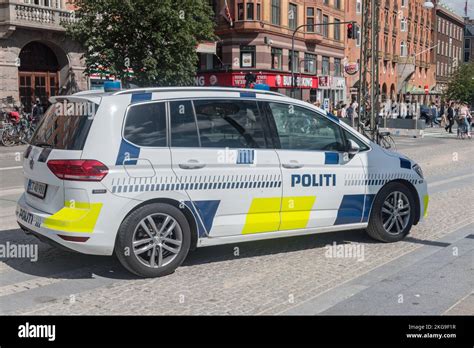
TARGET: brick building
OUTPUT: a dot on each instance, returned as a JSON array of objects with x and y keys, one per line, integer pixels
[
  {"x": 468, "y": 40},
  {"x": 449, "y": 40},
  {"x": 405, "y": 45},
  {"x": 37, "y": 60},
  {"x": 260, "y": 41}
]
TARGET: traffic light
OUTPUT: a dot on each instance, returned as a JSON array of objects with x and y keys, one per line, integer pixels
[{"x": 351, "y": 31}]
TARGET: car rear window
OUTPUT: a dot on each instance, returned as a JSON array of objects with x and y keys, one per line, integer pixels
[{"x": 65, "y": 125}]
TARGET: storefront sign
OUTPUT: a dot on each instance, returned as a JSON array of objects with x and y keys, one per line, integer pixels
[
  {"x": 273, "y": 80},
  {"x": 351, "y": 68}
]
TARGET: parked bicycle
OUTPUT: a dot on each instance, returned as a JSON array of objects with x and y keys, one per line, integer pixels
[{"x": 383, "y": 139}]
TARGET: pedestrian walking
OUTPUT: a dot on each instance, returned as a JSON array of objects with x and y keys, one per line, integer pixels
[
  {"x": 465, "y": 120},
  {"x": 450, "y": 118}
]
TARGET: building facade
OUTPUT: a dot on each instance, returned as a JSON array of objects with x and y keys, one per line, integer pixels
[
  {"x": 406, "y": 69},
  {"x": 37, "y": 60},
  {"x": 258, "y": 38},
  {"x": 449, "y": 40},
  {"x": 468, "y": 40}
]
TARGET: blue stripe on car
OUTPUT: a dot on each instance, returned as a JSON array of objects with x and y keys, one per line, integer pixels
[
  {"x": 138, "y": 97},
  {"x": 331, "y": 158},
  {"x": 126, "y": 151},
  {"x": 404, "y": 163}
]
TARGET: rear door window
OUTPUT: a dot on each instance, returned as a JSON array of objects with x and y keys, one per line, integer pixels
[
  {"x": 65, "y": 125},
  {"x": 184, "y": 131},
  {"x": 230, "y": 123},
  {"x": 145, "y": 125}
]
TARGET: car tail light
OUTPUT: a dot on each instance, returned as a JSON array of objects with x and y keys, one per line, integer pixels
[{"x": 78, "y": 170}]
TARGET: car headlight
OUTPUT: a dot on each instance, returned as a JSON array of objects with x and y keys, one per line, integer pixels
[{"x": 418, "y": 170}]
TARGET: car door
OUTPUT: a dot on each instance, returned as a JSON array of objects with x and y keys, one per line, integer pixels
[
  {"x": 315, "y": 169},
  {"x": 223, "y": 160}
]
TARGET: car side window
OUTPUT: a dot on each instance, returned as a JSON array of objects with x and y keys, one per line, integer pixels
[
  {"x": 350, "y": 136},
  {"x": 145, "y": 125},
  {"x": 183, "y": 125},
  {"x": 302, "y": 129},
  {"x": 229, "y": 123}
]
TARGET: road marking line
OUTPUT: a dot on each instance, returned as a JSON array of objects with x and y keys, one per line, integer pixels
[
  {"x": 442, "y": 182},
  {"x": 11, "y": 168},
  {"x": 12, "y": 191}
]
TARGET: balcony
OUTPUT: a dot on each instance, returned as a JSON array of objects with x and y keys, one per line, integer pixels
[
  {"x": 313, "y": 37},
  {"x": 387, "y": 56},
  {"x": 395, "y": 58},
  {"x": 13, "y": 14}
]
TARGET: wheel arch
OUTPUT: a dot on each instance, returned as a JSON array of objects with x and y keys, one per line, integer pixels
[{"x": 182, "y": 207}]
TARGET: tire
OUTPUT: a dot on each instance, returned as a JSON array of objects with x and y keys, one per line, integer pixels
[
  {"x": 132, "y": 229},
  {"x": 380, "y": 228}
]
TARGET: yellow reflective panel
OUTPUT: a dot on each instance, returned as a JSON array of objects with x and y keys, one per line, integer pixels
[{"x": 75, "y": 217}]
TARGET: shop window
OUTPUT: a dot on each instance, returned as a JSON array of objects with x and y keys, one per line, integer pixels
[
  {"x": 247, "y": 56},
  {"x": 277, "y": 58}
]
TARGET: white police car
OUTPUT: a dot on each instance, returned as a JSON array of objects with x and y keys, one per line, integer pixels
[{"x": 153, "y": 173}]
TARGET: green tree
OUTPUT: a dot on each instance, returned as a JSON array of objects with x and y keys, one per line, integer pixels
[
  {"x": 461, "y": 85},
  {"x": 157, "y": 39}
]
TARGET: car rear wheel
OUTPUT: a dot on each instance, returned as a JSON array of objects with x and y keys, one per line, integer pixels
[
  {"x": 153, "y": 240},
  {"x": 393, "y": 213}
]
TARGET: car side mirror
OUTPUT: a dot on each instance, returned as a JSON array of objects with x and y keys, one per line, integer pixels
[{"x": 352, "y": 147}]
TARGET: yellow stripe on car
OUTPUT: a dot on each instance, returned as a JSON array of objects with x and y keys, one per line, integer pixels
[
  {"x": 264, "y": 214},
  {"x": 74, "y": 217},
  {"x": 295, "y": 212},
  {"x": 426, "y": 201}
]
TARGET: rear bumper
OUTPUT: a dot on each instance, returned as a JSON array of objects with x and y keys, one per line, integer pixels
[{"x": 47, "y": 227}]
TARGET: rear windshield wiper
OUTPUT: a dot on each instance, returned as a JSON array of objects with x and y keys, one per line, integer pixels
[{"x": 46, "y": 145}]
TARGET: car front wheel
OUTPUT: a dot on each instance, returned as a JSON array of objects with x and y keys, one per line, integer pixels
[{"x": 393, "y": 213}]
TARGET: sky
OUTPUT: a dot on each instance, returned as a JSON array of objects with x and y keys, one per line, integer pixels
[{"x": 458, "y": 6}]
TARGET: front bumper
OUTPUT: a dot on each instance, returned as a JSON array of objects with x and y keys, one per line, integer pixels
[{"x": 57, "y": 229}]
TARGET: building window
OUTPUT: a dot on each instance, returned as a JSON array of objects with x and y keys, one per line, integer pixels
[
  {"x": 358, "y": 36},
  {"x": 276, "y": 11},
  {"x": 337, "y": 67},
  {"x": 250, "y": 11},
  {"x": 467, "y": 44},
  {"x": 403, "y": 24},
  {"x": 325, "y": 66},
  {"x": 293, "y": 16},
  {"x": 258, "y": 11},
  {"x": 310, "y": 63},
  {"x": 310, "y": 19},
  {"x": 326, "y": 2},
  {"x": 293, "y": 60},
  {"x": 403, "y": 49},
  {"x": 358, "y": 6},
  {"x": 319, "y": 20},
  {"x": 337, "y": 30},
  {"x": 337, "y": 4},
  {"x": 240, "y": 11},
  {"x": 247, "y": 56},
  {"x": 404, "y": 3},
  {"x": 325, "y": 26},
  {"x": 277, "y": 58}
]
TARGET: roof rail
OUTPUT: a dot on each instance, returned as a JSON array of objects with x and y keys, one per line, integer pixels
[
  {"x": 168, "y": 89},
  {"x": 90, "y": 91}
]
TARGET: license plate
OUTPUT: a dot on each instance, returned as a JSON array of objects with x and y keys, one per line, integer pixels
[{"x": 37, "y": 189}]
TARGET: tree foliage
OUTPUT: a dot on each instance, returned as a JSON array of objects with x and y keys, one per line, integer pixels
[
  {"x": 461, "y": 85},
  {"x": 157, "y": 39}
]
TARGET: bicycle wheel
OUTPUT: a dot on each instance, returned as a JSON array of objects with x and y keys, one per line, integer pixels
[
  {"x": 8, "y": 137},
  {"x": 388, "y": 143}
]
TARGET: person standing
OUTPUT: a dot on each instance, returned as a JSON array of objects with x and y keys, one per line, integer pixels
[
  {"x": 450, "y": 117},
  {"x": 433, "y": 114},
  {"x": 465, "y": 119}
]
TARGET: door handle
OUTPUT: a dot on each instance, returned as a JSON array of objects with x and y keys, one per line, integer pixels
[
  {"x": 292, "y": 165},
  {"x": 192, "y": 164}
]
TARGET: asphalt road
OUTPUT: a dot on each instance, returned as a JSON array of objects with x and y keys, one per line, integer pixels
[{"x": 431, "y": 272}]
